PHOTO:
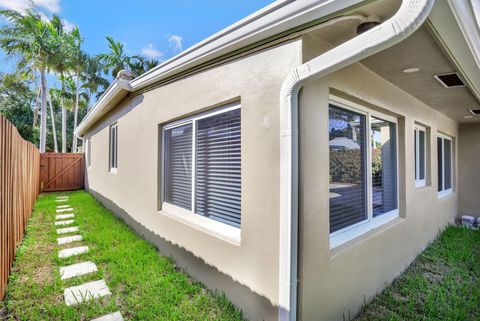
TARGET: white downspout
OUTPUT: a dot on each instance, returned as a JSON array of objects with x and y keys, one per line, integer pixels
[{"x": 409, "y": 17}]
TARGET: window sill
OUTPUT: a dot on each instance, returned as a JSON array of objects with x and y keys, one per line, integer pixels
[
  {"x": 445, "y": 193},
  {"x": 420, "y": 183},
  {"x": 349, "y": 233},
  {"x": 214, "y": 228}
]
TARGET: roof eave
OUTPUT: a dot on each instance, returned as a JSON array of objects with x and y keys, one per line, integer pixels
[
  {"x": 117, "y": 90},
  {"x": 280, "y": 16}
]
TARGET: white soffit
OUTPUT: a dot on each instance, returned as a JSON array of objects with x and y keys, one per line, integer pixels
[{"x": 455, "y": 27}]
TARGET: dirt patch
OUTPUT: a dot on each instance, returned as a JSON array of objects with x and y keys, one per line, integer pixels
[{"x": 434, "y": 272}]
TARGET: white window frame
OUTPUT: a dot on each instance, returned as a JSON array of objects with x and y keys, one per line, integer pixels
[
  {"x": 348, "y": 233},
  {"x": 215, "y": 228},
  {"x": 113, "y": 144},
  {"x": 420, "y": 182},
  {"x": 445, "y": 192}
]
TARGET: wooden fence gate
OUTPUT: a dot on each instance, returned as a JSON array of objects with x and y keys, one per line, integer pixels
[{"x": 61, "y": 172}]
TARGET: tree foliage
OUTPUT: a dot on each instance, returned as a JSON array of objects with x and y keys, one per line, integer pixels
[{"x": 42, "y": 46}]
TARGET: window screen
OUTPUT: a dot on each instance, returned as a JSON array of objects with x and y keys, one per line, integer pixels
[
  {"x": 178, "y": 166},
  {"x": 444, "y": 149},
  {"x": 202, "y": 163},
  {"x": 113, "y": 146},
  {"x": 218, "y": 167},
  {"x": 348, "y": 203},
  {"x": 384, "y": 166}
]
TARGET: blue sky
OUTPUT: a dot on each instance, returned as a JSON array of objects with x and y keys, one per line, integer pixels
[{"x": 157, "y": 29}]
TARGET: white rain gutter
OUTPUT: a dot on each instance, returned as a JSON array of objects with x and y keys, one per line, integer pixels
[{"x": 409, "y": 17}]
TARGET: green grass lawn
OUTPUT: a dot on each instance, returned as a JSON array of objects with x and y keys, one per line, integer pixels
[
  {"x": 443, "y": 283},
  {"x": 144, "y": 284}
]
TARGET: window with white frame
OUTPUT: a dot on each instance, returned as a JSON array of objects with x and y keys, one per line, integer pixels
[
  {"x": 202, "y": 165},
  {"x": 445, "y": 164},
  {"x": 89, "y": 152},
  {"x": 420, "y": 156},
  {"x": 113, "y": 148},
  {"x": 363, "y": 170}
]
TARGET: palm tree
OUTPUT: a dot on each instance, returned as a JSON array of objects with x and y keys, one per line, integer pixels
[
  {"x": 116, "y": 59},
  {"x": 92, "y": 80},
  {"x": 79, "y": 60},
  {"x": 139, "y": 65},
  {"x": 29, "y": 36},
  {"x": 61, "y": 65}
]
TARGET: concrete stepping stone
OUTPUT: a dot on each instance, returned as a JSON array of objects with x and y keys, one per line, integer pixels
[
  {"x": 67, "y": 222},
  {"x": 64, "y": 216},
  {"x": 63, "y": 206},
  {"x": 72, "y": 251},
  {"x": 67, "y": 230},
  {"x": 116, "y": 316},
  {"x": 64, "y": 210},
  {"x": 62, "y": 197},
  {"x": 86, "y": 292},
  {"x": 70, "y": 271},
  {"x": 69, "y": 239},
  {"x": 61, "y": 200}
]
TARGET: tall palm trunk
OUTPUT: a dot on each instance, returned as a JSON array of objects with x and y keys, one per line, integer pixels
[
  {"x": 75, "y": 117},
  {"x": 43, "y": 114},
  {"x": 54, "y": 131},
  {"x": 35, "y": 107},
  {"x": 64, "y": 118}
]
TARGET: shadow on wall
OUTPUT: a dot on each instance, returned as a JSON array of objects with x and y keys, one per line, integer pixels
[{"x": 253, "y": 305}]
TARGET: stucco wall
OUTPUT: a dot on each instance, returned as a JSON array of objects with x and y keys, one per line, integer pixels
[
  {"x": 335, "y": 283},
  {"x": 468, "y": 173},
  {"x": 256, "y": 80}
]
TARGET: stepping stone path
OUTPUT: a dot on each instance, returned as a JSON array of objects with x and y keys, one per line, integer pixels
[
  {"x": 110, "y": 317},
  {"x": 64, "y": 216},
  {"x": 88, "y": 291},
  {"x": 68, "y": 222},
  {"x": 72, "y": 251},
  {"x": 69, "y": 239},
  {"x": 67, "y": 230},
  {"x": 78, "y": 269}
]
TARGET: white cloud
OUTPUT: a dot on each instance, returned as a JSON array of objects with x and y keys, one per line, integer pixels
[
  {"x": 175, "y": 43},
  {"x": 52, "y": 6},
  {"x": 150, "y": 51},
  {"x": 67, "y": 25}
]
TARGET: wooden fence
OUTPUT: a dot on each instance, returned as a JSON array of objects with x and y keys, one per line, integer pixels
[
  {"x": 19, "y": 188},
  {"x": 61, "y": 172}
]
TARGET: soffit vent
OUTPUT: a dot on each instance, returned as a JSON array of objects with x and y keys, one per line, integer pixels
[
  {"x": 450, "y": 80},
  {"x": 474, "y": 112}
]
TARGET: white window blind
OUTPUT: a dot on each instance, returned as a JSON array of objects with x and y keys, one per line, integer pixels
[
  {"x": 202, "y": 165},
  {"x": 178, "y": 166},
  {"x": 113, "y": 147}
]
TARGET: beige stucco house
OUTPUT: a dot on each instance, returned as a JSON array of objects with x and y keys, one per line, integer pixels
[{"x": 300, "y": 159}]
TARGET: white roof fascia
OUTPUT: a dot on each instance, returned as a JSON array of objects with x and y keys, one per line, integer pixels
[{"x": 274, "y": 19}]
